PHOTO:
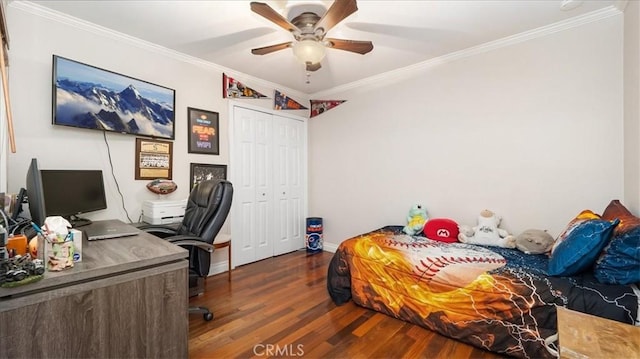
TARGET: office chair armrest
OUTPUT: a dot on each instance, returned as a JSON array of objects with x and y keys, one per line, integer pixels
[
  {"x": 184, "y": 240},
  {"x": 158, "y": 230}
]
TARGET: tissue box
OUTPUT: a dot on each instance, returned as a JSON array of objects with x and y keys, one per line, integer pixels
[
  {"x": 77, "y": 243},
  {"x": 59, "y": 256}
]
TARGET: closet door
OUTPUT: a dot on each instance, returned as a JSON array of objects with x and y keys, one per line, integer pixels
[
  {"x": 268, "y": 166},
  {"x": 288, "y": 184},
  {"x": 252, "y": 224}
]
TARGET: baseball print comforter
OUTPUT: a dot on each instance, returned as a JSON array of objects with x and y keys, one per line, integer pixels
[{"x": 493, "y": 298}]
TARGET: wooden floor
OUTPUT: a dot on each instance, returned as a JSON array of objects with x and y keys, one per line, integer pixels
[{"x": 280, "y": 307}]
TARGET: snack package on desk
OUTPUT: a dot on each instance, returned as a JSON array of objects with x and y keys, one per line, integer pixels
[{"x": 62, "y": 245}]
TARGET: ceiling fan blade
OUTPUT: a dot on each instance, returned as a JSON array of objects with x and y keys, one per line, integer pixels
[
  {"x": 271, "y": 48},
  {"x": 338, "y": 11},
  {"x": 313, "y": 67},
  {"x": 268, "y": 13},
  {"x": 360, "y": 47}
]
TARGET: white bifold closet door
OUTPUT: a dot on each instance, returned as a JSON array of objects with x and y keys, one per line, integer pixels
[{"x": 268, "y": 174}]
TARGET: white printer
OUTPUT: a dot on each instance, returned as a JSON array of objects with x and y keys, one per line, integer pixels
[{"x": 163, "y": 211}]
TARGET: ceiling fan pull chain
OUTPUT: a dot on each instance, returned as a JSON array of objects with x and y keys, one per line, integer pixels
[{"x": 308, "y": 76}]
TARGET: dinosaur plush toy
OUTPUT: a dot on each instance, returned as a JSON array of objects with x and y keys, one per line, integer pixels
[
  {"x": 487, "y": 232},
  {"x": 415, "y": 220}
]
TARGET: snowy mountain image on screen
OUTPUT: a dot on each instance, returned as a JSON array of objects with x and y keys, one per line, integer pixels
[{"x": 115, "y": 105}]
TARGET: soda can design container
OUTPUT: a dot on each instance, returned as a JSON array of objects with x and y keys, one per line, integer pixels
[{"x": 313, "y": 238}]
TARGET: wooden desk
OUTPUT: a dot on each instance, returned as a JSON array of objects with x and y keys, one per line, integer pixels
[
  {"x": 586, "y": 336},
  {"x": 127, "y": 298}
]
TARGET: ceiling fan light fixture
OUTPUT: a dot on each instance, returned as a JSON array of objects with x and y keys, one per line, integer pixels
[
  {"x": 566, "y": 5},
  {"x": 309, "y": 51}
]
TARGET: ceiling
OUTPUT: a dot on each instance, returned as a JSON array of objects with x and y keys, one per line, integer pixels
[{"x": 403, "y": 33}]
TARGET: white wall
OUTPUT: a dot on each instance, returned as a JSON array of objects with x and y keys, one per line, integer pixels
[
  {"x": 35, "y": 36},
  {"x": 632, "y": 106},
  {"x": 532, "y": 131}
]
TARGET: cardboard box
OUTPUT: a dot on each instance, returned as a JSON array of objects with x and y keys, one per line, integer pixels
[{"x": 62, "y": 255}]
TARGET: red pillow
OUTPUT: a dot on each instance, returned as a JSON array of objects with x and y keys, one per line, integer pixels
[{"x": 628, "y": 221}]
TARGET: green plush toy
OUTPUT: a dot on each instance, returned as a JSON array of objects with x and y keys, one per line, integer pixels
[
  {"x": 415, "y": 220},
  {"x": 534, "y": 241}
]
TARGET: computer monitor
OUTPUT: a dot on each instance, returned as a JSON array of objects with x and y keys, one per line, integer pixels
[
  {"x": 17, "y": 209},
  {"x": 35, "y": 194},
  {"x": 70, "y": 193}
]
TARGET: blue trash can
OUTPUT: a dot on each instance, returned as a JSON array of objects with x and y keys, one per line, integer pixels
[{"x": 313, "y": 238}]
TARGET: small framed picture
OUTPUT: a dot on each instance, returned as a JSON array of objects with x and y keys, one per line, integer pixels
[
  {"x": 153, "y": 159},
  {"x": 204, "y": 131},
  {"x": 204, "y": 171}
]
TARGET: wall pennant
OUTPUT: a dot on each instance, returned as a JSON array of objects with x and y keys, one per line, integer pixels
[
  {"x": 283, "y": 102},
  {"x": 232, "y": 88},
  {"x": 321, "y": 106}
]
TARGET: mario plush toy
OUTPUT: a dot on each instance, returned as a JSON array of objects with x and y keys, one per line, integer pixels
[{"x": 441, "y": 229}]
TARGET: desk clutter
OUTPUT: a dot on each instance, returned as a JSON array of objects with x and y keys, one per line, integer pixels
[
  {"x": 20, "y": 270},
  {"x": 17, "y": 267},
  {"x": 55, "y": 247},
  {"x": 60, "y": 245}
]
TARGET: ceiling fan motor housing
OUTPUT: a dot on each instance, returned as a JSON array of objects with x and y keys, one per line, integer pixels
[
  {"x": 309, "y": 29},
  {"x": 306, "y": 22}
]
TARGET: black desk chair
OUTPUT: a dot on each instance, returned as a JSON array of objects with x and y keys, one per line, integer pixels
[{"x": 207, "y": 209}]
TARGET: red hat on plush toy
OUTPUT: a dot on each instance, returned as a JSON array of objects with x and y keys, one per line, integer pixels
[{"x": 441, "y": 229}]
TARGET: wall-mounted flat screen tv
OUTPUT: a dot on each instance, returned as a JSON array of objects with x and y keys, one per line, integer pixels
[{"x": 85, "y": 96}]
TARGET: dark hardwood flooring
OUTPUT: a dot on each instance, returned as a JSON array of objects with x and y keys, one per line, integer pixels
[{"x": 280, "y": 307}]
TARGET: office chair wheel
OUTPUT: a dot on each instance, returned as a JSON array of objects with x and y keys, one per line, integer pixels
[{"x": 208, "y": 316}]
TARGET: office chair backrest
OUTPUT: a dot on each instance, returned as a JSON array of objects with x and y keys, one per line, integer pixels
[{"x": 207, "y": 208}]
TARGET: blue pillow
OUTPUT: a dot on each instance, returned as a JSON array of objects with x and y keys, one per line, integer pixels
[
  {"x": 581, "y": 247},
  {"x": 620, "y": 260}
]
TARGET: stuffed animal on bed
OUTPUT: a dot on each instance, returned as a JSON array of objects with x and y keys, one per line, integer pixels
[
  {"x": 487, "y": 232},
  {"x": 534, "y": 241},
  {"x": 415, "y": 220}
]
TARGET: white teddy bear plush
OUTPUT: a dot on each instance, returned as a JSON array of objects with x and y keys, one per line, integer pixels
[{"x": 487, "y": 232}]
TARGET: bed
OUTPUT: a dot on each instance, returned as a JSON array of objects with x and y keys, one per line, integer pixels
[{"x": 497, "y": 299}]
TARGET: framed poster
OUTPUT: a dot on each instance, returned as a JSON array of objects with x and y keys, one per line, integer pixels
[
  {"x": 86, "y": 96},
  {"x": 203, "y": 131},
  {"x": 204, "y": 171},
  {"x": 153, "y": 159}
]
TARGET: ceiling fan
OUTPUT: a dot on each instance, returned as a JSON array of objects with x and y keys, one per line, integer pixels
[{"x": 309, "y": 32}]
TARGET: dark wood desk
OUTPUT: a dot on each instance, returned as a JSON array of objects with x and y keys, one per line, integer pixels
[{"x": 127, "y": 298}]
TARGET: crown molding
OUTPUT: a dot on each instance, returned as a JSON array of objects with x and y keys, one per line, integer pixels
[
  {"x": 57, "y": 16},
  {"x": 621, "y": 4},
  {"x": 413, "y": 70},
  {"x": 373, "y": 81}
]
